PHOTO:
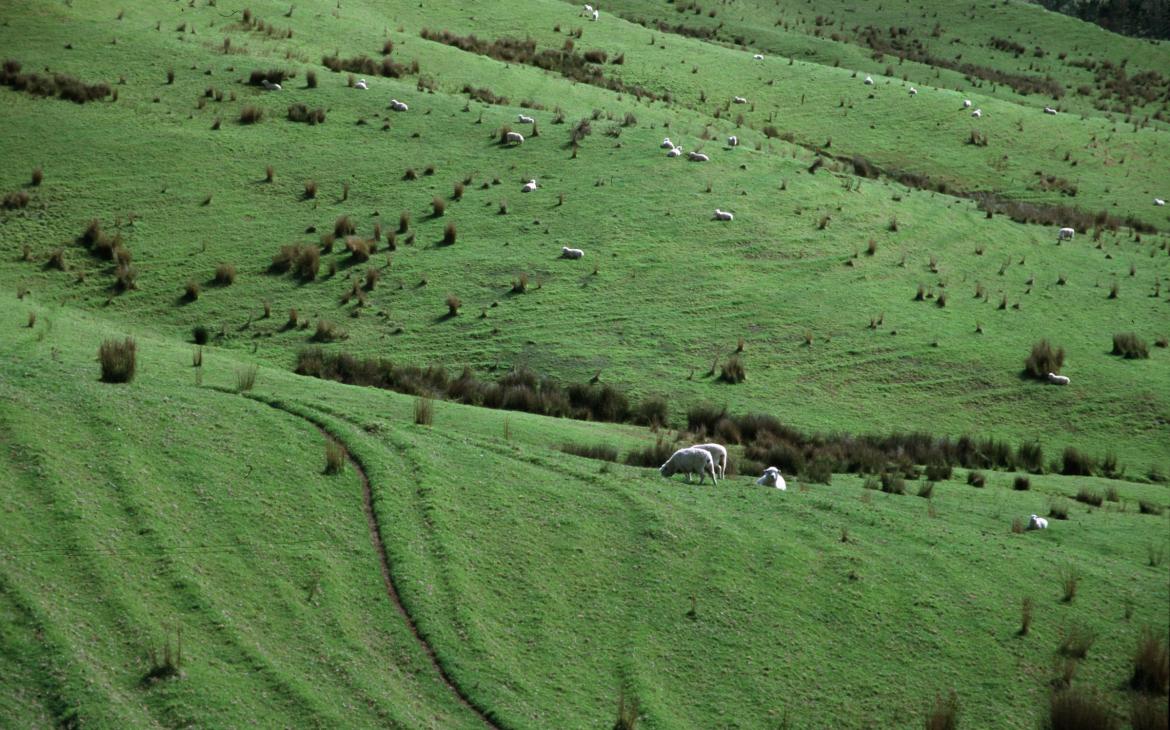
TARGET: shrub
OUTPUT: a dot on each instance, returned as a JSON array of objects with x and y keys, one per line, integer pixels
[
  {"x": 1043, "y": 360},
  {"x": 601, "y": 452},
  {"x": 38, "y": 176},
  {"x": 251, "y": 114},
  {"x": 119, "y": 360},
  {"x": 1072, "y": 710},
  {"x": 1021, "y": 484},
  {"x": 200, "y": 334},
  {"x": 944, "y": 714},
  {"x": 1151, "y": 664},
  {"x": 424, "y": 411},
  {"x": 1089, "y": 496},
  {"x": 225, "y": 275},
  {"x": 1070, "y": 580},
  {"x": 335, "y": 456},
  {"x": 438, "y": 206},
  {"x": 1130, "y": 346},
  {"x": 1075, "y": 463},
  {"x": 976, "y": 479},
  {"x": 449, "y": 234},
  {"x": 453, "y": 305},
  {"x": 1149, "y": 508},
  {"x": 245, "y": 378},
  {"x": 310, "y": 189},
  {"x": 1026, "y": 616},
  {"x": 733, "y": 370}
]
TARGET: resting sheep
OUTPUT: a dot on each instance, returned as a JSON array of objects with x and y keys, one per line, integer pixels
[
  {"x": 525, "y": 119},
  {"x": 666, "y": 144},
  {"x": 529, "y": 186},
  {"x": 1159, "y": 201},
  {"x": 913, "y": 91},
  {"x": 1065, "y": 233},
  {"x": 759, "y": 57},
  {"x": 977, "y": 113},
  {"x": 674, "y": 152},
  {"x": 271, "y": 86},
  {"x": 361, "y": 84},
  {"x": 723, "y": 215},
  {"x": 690, "y": 461},
  {"x": 398, "y": 106},
  {"x": 966, "y": 103},
  {"x": 733, "y": 141},
  {"x": 572, "y": 253},
  {"x": 869, "y": 81},
  {"x": 1049, "y": 110},
  {"x": 718, "y": 455},
  {"x": 1037, "y": 523},
  {"x": 698, "y": 157},
  {"x": 513, "y": 138},
  {"x": 739, "y": 100},
  {"x": 1058, "y": 379},
  {"x": 772, "y": 478}
]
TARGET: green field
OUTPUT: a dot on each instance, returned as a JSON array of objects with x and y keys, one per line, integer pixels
[{"x": 536, "y": 587}]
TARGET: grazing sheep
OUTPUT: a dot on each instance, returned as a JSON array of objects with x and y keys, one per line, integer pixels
[
  {"x": 1159, "y": 201},
  {"x": 271, "y": 86},
  {"x": 698, "y": 157},
  {"x": 529, "y": 186},
  {"x": 361, "y": 84},
  {"x": 674, "y": 152},
  {"x": 733, "y": 141},
  {"x": 759, "y": 57},
  {"x": 1065, "y": 233},
  {"x": 869, "y": 81},
  {"x": 398, "y": 106},
  {"x": 723, "y": 215},
  {"x": 718, "y": 455},
  {"x": 525, "y": 119},
  {"x": 1037, "y": 523},
  {"x": 913, "y": 91},
  {"x": 588, "y": 9},
  {"x": 772, "y": 478},
  {"x": 966, "y": 103},
  {"x": 572, "y": 253},
  {"x": 690, "y": 461},
  {"x": 513, "y": 138},
  {"x": 739, "y": 100},
  {"x": 666, "y": 144},
  {"x": 1049, "y": 110},
  {"x": 596, "y": 15},
  {"x": 1058, "y": 379},
  {"x": 977, "y": 113}
]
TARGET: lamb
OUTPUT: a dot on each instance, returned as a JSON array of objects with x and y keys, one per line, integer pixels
[
  {"x": 977, "y": 113},
  {"x": 1058, "y": 379},
  {"x": 525, "y": 119},
  {"x": 596, "y": 15},
  {"x": 723, "y": 215},
  {"x": 739, "y": 100},
  {"x": 913, "y": 91},
  {"x": 667, "y": 144},
  {"x": 772, "y": 478},
  {"x": 361, "y": 84},
  {"x": 1065, "y": 233},
  {"x": 398, "y": 106},
  {"x": 1049, "y": 110},
  {"x": 869, "y": 81},
  {"x": 514, "y": 138},
  {"x": 271, "y": 86},
  {"x": 759, "y": 57},
  {"x": 733, "y": 141},
  {"x": 718, "y": 455},
  {"x": 966, "y": 103},
  {"x": 1159, "y": 201},
  {"x": 690, "y": 461},
  {"x": 674, "y": 152},
  {"x": 529, "y": 186},
  {"x": 1037, "y": 523},
  {"x": 698, "y": 157},
  {"x": 572, "y": 253}
]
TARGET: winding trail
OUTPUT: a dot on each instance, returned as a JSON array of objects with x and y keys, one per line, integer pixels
[{"x": 384, "y": 563}]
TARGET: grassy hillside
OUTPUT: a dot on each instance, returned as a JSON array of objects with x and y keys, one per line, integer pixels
[{"x": 533, "y": 587}]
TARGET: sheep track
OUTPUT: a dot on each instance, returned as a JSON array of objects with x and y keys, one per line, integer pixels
[{"x": 384, "y": 565}]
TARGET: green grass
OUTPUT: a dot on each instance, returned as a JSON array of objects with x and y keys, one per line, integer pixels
[{"x": 545, "y": 583}]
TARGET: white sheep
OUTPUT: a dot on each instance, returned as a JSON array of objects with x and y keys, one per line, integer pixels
[
  {"x": 1159, "y": 201},
  {"x": 739, "y": 100},
  {"x": 869, "y": 81},
  {"x": 718, "y": 456},
  {"x": 1065, "y": 233},
  {"x": 913, "y": 91},
  {"x": 772, "y": 478},
  {"x": 1058, "y": 379},
  {"x": 271, "y": 86},
  {"x": 1049, "y": 110},
  {"x": 572, "y": 253},
  {"x": 698, "y": 157},
  {"x": 514, "y": 138},
  {"x": 361, "y": 84},
  {"x": 733, "y": 141},
  {"x": 523, "y": 119},
  {"x": 966, "y": 103},
  {"x": 596, "y": 15},
  {"x": 529, "y": 186},
  {"x": 666, "y": 144},
  {"x": 398, "y": 106},
  {"x": 588, "y": 9},
  {"x": 674, "y": 152},
  {"x": 977, "y": 113},
  {"x": 723, "y": 215},
  {"x": 759, "y": 57},
  {"x": 690, "y": 461},
  {"x": 1037, "y": 523}
]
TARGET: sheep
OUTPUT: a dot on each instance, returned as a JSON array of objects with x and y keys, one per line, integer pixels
[
  {"x": 1159, "y": 202},
  {"x": 588, "y": 9},
  {"x": 596, "y": 15},
  {"x": 674, "y": 152},
  {"x": 977, "y": 113},
  {"x": 1049, "y": 110},
  {"x": 739, "y": 100},
  {"x": 759, "y": 57},
  {"x": 733, "y": 141},
  {"x": 913, "y": 91},
  {"x": 398, "y": 106},
  {"x": 572, "y": 253},
  {"x": 723, "y": 215},
  {"x": 966, "y": 103},
  {"x": 529, "y": 186},
  {"x": 772, "y": 478},
  {"x": 271, "y": 86},
  {"x": 690, "y": 461},
  {"x": 666, "y": 144},
  {"x": 1065, "y": 233},
  {"x": 869, "y": 81},
  {"x": 1058, "y": 379},
  {"x": 361, "y": 84},
  {"x": 698, "y": 157},
  {"x": 523, "y": 119},
  {"x": 1037, "y": 523},
  {"x": 513, "y": 138},
  {"x": 718, "y": 455}
]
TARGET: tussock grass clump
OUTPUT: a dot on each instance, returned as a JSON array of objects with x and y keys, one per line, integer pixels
[
  {"x": 977, "y": 479},
  {"x": 38, "y": 176},
  {"x": 939, "y": 472},
  {"x": 225, "y": 275},
  {"x": 307, "y": 263},
  {"x": 192, "y": 290},
  {"x": 1075, "y": 463},
  {"x": 601, "y": 452},
  {"x": 424, "y": 411},
  {"x": 520, "y": 284},
  {"x": 335, "y": 456},
  {"x": 343, "y": 227},
  {"x": 56, "y": 260},
  {"x": 246, "y": 378},
  {"x": 438, "y": 206},
  {"x": 449, "y": 234},
  {"x": 453, "y": 305},
  {"x": 403, "y": 222},
  {"x": 1044, "y": 359},
  {"x": 118, "y": 360},
  {"x": 327, "y": 332},
  {"x": 893, "y": 483},
  {"x": 125, "y": 278},
  {"x": 311, "y": 80},
  {"x": 654, "y": 455},
  {"x": 733, "y": 370},
  {"x": 1030, "y": 456},
  {"x": 310, "y": 189},
  {"x": 944, "y": 713},
  {"x": 1076, "y": 641},
  {"x": 200, "y": 334},
  {"x": 1021, "y": 484},
  {"x": 926, "y": 490},
  {"x": 627, "y": 712},
  {"x": 1148, "y": 713},
  {"x": 1070, "y": 581},
  {"x": 16, "y": 200},
  {"x": 269, "y": 174},
  {"x": 1151, "y": 664},
  {"x": 652, "y": 411},
  {"x": 1058, "y": 510},
  {"x": 1073, "y": 709},
  {"x": 1089, "y": 496},
  {"x": 1130, "y": 346},
  {"x": 302, "y": 113},
  {"x": 1149, "y": 508},
  {"x": 1026, "y": 607},
  {"x": 251, "y": 114}
]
